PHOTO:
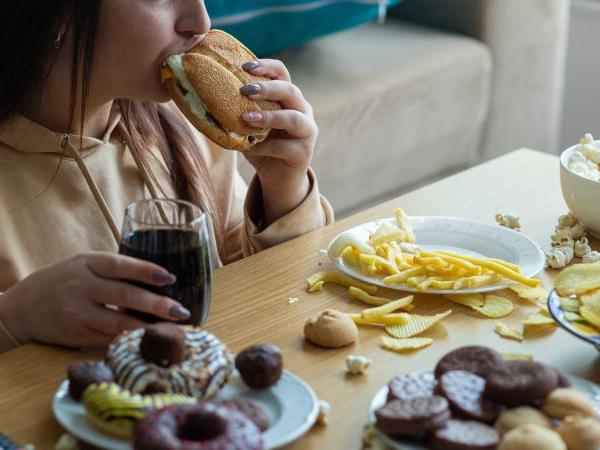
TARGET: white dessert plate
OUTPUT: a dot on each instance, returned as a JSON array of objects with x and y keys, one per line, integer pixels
[
  {"x": 589, "y": 389},
  {"x": 456, "y": 235},
  {"x": 291, "y": 404}
]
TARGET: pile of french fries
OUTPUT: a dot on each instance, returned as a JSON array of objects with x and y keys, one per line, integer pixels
[{"x": 382, "y": 256}]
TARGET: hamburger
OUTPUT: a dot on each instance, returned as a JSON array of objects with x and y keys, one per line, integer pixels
[{"x": 205, "y": 84}]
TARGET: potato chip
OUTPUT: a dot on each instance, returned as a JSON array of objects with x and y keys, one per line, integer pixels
[
  {"x": 516, "y": 357},
  {"x": 585, "y": 328},
  {"x": 362, "y": 296},
  {"x": 538, "y": 323},
  {"x": 593, "y": 296},
  {"x": 591, "y": 312},
  {"x": 543, "y": 310},
  {"x": 495, "y": 307},
  {"x": 402, "y": 223},
  {"x": 416, "y": 324},
  {"x": 569, "y": 304},
  {"x": 508, "y": 332},
  {"x": 337, "y": 278},
  {"x": 533, "y": 294},
  {"x": 578, "y": 279},
  {"x": 402, "y": 345},
  {"x": 573, "y": 317},
  {"x": 349, "y": 239},
  {"x": 373, "y": 313},
  {"x": 467, "y": 299}
]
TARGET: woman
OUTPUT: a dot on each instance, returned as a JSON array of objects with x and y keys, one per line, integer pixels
[{"x": 84, "y": 129}]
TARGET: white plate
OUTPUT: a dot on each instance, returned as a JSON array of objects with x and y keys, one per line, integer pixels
[
  {"x": 291, "y": 404},
  {"x": 589, "y": 389},
  {"x": 459, "y": 236}
]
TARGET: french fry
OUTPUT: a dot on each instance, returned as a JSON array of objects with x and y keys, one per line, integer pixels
[
  {"x": 338, "y": 278},
  {"x": 350, "y": 256},
  {"x": 462, "y": 263},
  {"x": 387, "y": 319},
  {"x": 402, "y": 222},
  {"x": 496, "y": 267},
  {"x": 415, "y": 281},
  {"x": 404, "y": 275},
  {"x": 475, "y": 281},
  {"x": 380, "y": 311},
  {"x": 364, "y": 297},
  {"x": 435, "y": 283}
]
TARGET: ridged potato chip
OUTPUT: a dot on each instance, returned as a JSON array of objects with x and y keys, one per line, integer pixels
[
  {"x": 495, "y": 307},
  {"x": 416, "y": 324},
  {"x": 508, "y": 332},
  {"x": 402, "y": 345},
  {"x": 573, "y": 317},
  {"x": 533, "y": 294},
  {"x": 467, "y": 299},
  {"x": 578, "y": 279},
  {"x": 593, "y": 296},
  {"x": 315, "y": 282}
]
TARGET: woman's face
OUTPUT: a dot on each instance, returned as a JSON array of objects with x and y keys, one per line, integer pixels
[{"x": 134, "y": 38}]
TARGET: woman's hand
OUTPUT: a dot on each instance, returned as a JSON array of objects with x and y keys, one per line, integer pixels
[
  {"x": 66, "y": 303},
  {"x": 281, "y": 161}
]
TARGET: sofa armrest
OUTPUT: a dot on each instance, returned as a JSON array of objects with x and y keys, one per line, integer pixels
[{"x": 527, "y": 40}]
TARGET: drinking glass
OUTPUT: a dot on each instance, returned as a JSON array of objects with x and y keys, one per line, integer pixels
[{"x": 178, "y": 236}]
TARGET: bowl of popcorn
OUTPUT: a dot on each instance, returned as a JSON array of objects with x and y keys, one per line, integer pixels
[{"x": 580, "y": 181}]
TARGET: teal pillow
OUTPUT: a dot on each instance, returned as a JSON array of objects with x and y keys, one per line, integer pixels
[{"x": 267, "y": 26}]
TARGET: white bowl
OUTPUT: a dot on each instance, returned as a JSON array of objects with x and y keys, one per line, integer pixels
[{"x": 581, "y": 195}]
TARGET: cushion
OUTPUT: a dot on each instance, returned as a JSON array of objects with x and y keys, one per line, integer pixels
[{"x": 266, "y": 26}]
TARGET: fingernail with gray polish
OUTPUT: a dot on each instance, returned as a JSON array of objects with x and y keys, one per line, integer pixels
[
  {"x": 250, "y": 89},
  {"x": 164, "y": 277},
  {"x": 253, "y": 117},
  {"x": 251, "y": 65},
  {"x": 179, "y": 312}
]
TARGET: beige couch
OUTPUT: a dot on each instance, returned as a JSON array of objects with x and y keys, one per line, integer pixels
[{"x": 442, "y": 85}]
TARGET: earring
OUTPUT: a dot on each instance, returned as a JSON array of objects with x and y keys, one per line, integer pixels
[{"x": 58, "y": 40}]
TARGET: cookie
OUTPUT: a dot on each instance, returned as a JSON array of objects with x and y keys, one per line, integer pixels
[
  {"x": 407, "y": 387},
  {"x": 464, "y": 390},
  {"x": 532, "y": 437},
  {"x": 250, "y": 409},
  {"x": 400, "y": 417},
  {"x": 464, "y": 435},
  {"x": 523, "y": 415},
  {"x": 478, "y": 360},
  {"x": 82, "y": 374},
  {"x": 520, "y": 383},
  {"x": 330, "y": 329},
  {"x": 564, "y": 402},
  {"x": 563, "y": 380},
  {"x": 580, "y": 433}
]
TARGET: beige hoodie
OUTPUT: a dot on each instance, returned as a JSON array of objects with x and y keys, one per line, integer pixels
[{"x": 51, "y": 210}]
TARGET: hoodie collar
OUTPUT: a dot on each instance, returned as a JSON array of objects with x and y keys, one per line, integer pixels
[{"x": 22, "y": 134}]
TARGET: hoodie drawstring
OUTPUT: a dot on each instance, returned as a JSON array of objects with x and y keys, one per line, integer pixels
[{"x": 145, "y": 173}]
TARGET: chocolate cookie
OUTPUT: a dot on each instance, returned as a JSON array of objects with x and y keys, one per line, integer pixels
[
  {"x": 563, "y": 381},
  {"x": 464, "y": 392},
  {"x": 464, "y": 435},
  {"x": 82, "y": 374},
  {"x": 249, "y": 408},
  {"x": 399, "y": 417},
  {"x": 521, "y": 383},
  {"x": 408, "y": 386},
  {"x": 260, "y": 365},
  {"x": 478, "y": 360}
]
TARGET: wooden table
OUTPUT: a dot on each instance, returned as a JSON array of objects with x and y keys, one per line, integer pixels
[{"x": 250, "y": 305}]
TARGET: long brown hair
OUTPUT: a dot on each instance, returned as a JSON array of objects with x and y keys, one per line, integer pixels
[{"x": 27, "y": 31}]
